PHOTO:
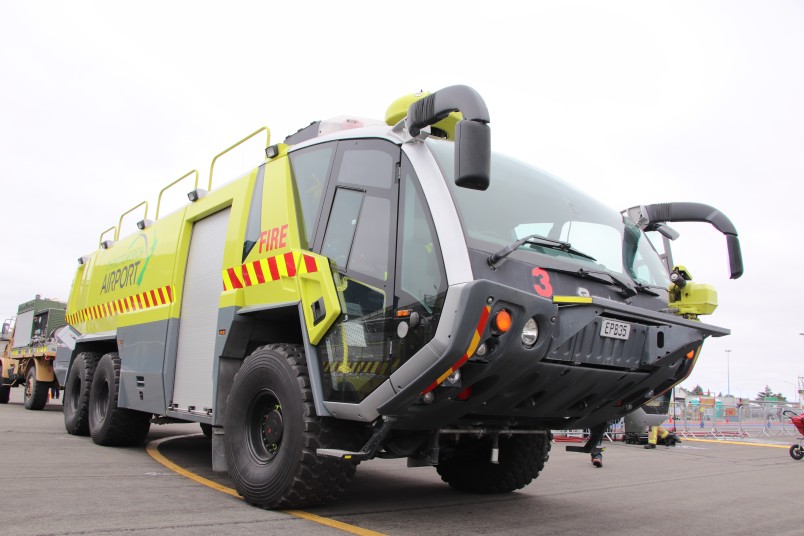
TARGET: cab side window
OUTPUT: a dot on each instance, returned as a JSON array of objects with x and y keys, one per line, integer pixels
[
  {"x": 342, "y": 224},
  {"x": 310, "y": 167},
  {"x": 421, "y": 274}
]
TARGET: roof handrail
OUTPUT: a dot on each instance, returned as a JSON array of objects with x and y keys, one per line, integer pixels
[
  {"x": 129, "y": 211},
  {"x": 100, "y": 240},
  {"x": 212, "y": 165},
  {"x": 162, "y": 191}
]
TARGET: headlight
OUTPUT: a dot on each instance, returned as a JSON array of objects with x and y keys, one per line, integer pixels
[{"x": 530, "y": 333}]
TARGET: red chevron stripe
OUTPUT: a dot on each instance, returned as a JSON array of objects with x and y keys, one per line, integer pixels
[
  {"x": 258, "y": 272},
  {"x": 290, "y": 264}
]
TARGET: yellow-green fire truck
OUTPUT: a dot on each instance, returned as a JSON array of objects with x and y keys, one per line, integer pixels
[
  {"x": 28, "y": 348},
  {"x": 383, "y": 289}
]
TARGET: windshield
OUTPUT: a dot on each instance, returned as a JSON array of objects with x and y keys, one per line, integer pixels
[{"x": 528, "y": 201}]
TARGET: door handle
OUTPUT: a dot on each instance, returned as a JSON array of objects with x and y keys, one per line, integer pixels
[{"x": 319, "y": 310}]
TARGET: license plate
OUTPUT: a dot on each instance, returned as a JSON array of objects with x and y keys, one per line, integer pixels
[{"x": 615, "y": 330}]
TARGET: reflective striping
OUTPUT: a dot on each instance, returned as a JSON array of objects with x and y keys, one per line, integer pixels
[
  {"x": 375, "y": 368},
  {"x": 136, "y": 302},
  {"x": 261, "y": 271},
  {"x": 572, "y": 299},
  {"x": 481, "y": 326}
]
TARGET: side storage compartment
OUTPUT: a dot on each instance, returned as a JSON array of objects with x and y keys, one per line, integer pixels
[{"x": 192, "y": 386}]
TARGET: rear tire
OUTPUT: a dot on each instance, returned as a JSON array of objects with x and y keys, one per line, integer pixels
[
  {"x": 272, "y": 433},
  {"x": 796, "y": 452},
  {"x": 76, "y": 393},
  {"x": 5, "y": 393},
  {"x": 36, "y": 392},
  {"x": 522, "y": 457},
  {"x": 110, "y": 425}
]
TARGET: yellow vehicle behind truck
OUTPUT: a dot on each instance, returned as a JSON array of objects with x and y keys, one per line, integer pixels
[
  {"x": 382, "y": 289},
  {"x": 28, "y": 348}
]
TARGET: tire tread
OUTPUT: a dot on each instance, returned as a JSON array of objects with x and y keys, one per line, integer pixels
[
  {"x": 125, "y": 427},
  {"x": 522, "y": 458},
  {"x": 38, "y": 399},
  {"x": 78, "y": 423},
  {"x": 318, "y": 479}
]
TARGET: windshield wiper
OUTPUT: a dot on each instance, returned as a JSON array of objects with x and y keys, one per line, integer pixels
[
  {"x": 621, "y": 284},
  {"x": 626, "y": 289},
  {"x": 537, "y": 240}
]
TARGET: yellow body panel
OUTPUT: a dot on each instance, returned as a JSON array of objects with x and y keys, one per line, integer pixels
[{"x": 139, "y": 279}]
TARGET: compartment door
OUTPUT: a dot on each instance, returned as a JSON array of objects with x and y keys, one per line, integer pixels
[{"x": 192, "y": 387}]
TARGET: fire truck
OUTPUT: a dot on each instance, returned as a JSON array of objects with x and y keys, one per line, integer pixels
[
  {"x": 28, "y": 348},
  {"x": 386, "y": 289}
]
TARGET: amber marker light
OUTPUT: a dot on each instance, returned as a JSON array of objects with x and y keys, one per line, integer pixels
[{"x": 502, "y": 321}]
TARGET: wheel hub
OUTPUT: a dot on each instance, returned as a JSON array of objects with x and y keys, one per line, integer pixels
[{"x": 272, "y": 429}]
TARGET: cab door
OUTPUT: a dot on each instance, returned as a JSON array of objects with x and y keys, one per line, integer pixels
[{"x": 357, "y": 232}]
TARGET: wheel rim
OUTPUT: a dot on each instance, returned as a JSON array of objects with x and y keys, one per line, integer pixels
[
  {"x": 265, "y": 426},
  {"x": 75, "y": 394},
  {"x": 29, "y": 386},
  {"x": 101, "y": 401}
]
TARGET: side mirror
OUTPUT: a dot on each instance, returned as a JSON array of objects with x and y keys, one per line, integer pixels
[
  {"x": 472, "y": 134},
  {"x": 650, "y": 216},
  {"x": 472, "y": 155}
]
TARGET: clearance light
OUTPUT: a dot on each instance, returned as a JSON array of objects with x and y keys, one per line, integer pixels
[
  {"x": 428, "y": 398},
  {"x": 530, "y": 333},
  {"x": 196, "y": 194},
  {"x": 272, "y": 151},
  {"x": 482, "y": 350},
  {"x": 502, "y": 321}
]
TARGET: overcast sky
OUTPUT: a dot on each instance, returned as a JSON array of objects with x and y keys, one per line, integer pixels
[{"x": 104, "y": 103}]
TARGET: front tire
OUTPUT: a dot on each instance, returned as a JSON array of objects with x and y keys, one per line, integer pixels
[
  {"x": 522, "y": 457},
  {"x": 76, "y": 393},
  {"x": 108, "y": 424},
  {"x": 36, "y": 392},
  {"x": 796, "y": 452},
  {"x": 272, "y": 433}
]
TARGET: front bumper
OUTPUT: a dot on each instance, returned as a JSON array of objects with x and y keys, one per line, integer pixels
[{"x": 571, "y": 378}]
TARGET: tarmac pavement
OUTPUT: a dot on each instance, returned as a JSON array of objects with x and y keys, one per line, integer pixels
[{"x": 55, "y": 483}]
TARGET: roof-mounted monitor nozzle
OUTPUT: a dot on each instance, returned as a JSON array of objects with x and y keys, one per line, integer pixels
[{"x": 472, "y": 134}]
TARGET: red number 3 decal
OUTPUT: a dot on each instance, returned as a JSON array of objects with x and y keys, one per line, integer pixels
[{"x": 541, "y": 282}]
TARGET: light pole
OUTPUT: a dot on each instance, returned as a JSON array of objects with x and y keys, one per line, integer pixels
[{"x": 728, "y": 373}]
